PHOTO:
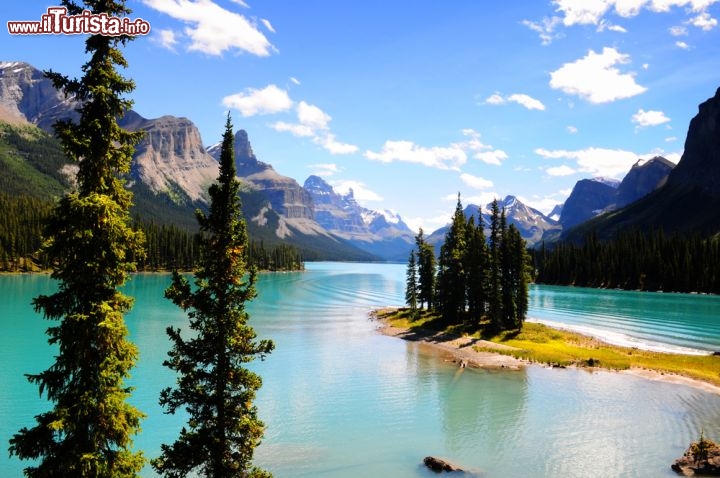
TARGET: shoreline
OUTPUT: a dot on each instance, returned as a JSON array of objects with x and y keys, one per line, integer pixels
[{"x": 461, "y": 350}]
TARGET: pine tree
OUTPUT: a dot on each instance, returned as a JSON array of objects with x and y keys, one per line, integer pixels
[
  {"x": 91, "y": 246},
  {"x": 494, "y": 269},
  {"x": 411, "y": 287},
  {"x": 426, "y": 271},
  {"x": 451, "y": 269},
  {"x": 476, "y": 261},
  {"x": 213, "y": 386}
]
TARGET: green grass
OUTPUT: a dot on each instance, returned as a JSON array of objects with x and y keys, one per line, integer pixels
[{"x": 543, "y": 344}]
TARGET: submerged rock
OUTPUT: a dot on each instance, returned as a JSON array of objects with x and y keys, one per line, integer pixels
[
  {"x": 438, "y": 465},
  {"x": 701, "y": 459}
]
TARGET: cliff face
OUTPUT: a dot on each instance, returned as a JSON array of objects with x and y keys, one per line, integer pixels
[
  {"x": 285, "y": 195},
  {"x": 644, "y": 177},
  {"x": 699, "y": 166},
  {"x": 587, "y": 199},
  {"x": 170, "y": 158},
  {"x": 27, "y": 96}
]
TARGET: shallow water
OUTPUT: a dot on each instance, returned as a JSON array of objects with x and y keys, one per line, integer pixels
[{"x": 341, "y": 400}]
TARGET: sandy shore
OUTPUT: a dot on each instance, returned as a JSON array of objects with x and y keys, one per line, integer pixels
[{"x": 461, "y": 351}]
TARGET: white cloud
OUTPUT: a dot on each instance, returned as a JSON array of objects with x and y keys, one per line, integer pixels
[
  {"x": 360, "y": 191},
  {"x": 546, "y": 204},
  {"x": 545, "y": 28},
  {"x": 595, "y": 77},
  {"x": 495, "y": 157},
  {"x": 560, "y": 171},
  {"x": 448, "y": 157},
  {"x": 328, "y": 142},
  {"x": 595, "y": 161},
  {"x": 294, "y": 80},
  {"x": 670, "y": 139},
  {"x": 213, "y": 29},
  {"x": 475, "y": 182},
  {"x": 592, "y": 12},
  {"x": 649, "y": 118},
  {"x": 704, "y": 21},
  {"x": 572, "y": 129},
  {"x": 682, "y": 45},
  {"x": 526, "y": 101},
  {"x": 441, "y": 157},
  {"x": 678, "y": 31},
  {"x": 166, "y": 39},
  {"x": 312, "y": 116},
  {"x": 324, "y": 169},
  {"x": 241, "y": 3},
  {"x": 645, "y": 66},
  {"x": 617, "y": 28},
  {"x": 267, "y": 24},
  {"x": 251, "y": 102},
  {"x": 495, "y": 99},
  {"x": 520, "y": 98},
  {"x": 315, "y": 123},
  {"x": 606, "y": 25},
  {"x": 429, "y": 224}
]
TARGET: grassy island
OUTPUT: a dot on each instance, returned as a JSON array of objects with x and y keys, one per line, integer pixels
[{"x": 542, "y": 344}]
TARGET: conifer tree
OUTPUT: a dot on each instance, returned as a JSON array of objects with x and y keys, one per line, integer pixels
[
  {"x": 90, "y": 244},
  {"x": 451, "y": 269},
  {"x": 426, "y": 271},
  {"x": 213, "y": 387},
  {"x": 411, "y": 287},
  {"x": 476, "y": 260},
  {"x": 494, "y": 268}
]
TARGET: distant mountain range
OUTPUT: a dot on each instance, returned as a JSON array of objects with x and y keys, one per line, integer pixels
[{"x": 171, "y": 171}]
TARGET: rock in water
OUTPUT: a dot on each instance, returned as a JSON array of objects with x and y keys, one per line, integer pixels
[
  {"x": 438, "y": 465},
  {"x": 701, "y": 459}
]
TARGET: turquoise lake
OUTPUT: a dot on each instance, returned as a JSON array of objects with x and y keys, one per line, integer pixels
[{"x": 341, "y": 400}]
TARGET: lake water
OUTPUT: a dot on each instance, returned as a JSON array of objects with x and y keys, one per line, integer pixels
[{"x": 341, "y": 400}]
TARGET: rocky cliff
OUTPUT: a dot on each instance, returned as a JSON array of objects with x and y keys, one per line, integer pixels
[
  {"x": 286, "y": 196},
  {"x": 699, "y": 166},
  {"x": 27, "y": 96},
  {"x": 170, "y": 158},
  {"x": 643, "y": 178}
]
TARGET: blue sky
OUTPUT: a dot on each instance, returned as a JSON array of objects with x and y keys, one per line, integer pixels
[{"x": 410, "y": 103}]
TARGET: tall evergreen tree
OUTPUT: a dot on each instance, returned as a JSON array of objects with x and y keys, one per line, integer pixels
[
  {"x": 91, "y": 246},
  {"x": 213, "y": 386},
  {"x": 426, "y": 271},
  {"x": 494, "y": 268},
  {"x": 519, "y": 265},
  {"x": 476, "y": 273},
  {"x": 451, "y": 269},
  {"x": 411, "y": 286}
]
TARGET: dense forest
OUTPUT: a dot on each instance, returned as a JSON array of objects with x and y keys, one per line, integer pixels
[
  {"x": 634, "y": 261},
  {"x": 167, "y": 247},
  {"x": 476, "y": 282}
]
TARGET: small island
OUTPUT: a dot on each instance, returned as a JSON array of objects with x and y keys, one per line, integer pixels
[
  {"x": 702, "y": 458},
  {"x": 539, "y": 344}
]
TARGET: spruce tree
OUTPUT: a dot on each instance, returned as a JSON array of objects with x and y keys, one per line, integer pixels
[
  {"x": 476, "y": 260},
  {"x": 451, "y": 269},
  {"x": 426, "y": 271},
  {"x": 91, "y": 246},
  {"x": 411, "y": 286},
  {"x": 495, "y": 269},
  {"x": 213, "y": 387}
]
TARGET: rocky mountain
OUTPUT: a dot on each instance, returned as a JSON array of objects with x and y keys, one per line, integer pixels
[
  {"x": 382, "y": 233},
  {"x": 588, "y": 198},
  {"x": 26, "y": 96},
  {"x": 689, "y": 202},
  {"x": 286, "y": 196},
  {"x": 171, "y": 158},
  {"x": 171, "y": 170},
  {"x": 643, "y": 178},
  {"x": 532, "y": 224}
]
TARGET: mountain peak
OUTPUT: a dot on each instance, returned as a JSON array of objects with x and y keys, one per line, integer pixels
[{"x": 699, "y": 166}]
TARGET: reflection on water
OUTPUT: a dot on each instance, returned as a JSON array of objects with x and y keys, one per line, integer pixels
[{"x": 341, "y": 400}]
